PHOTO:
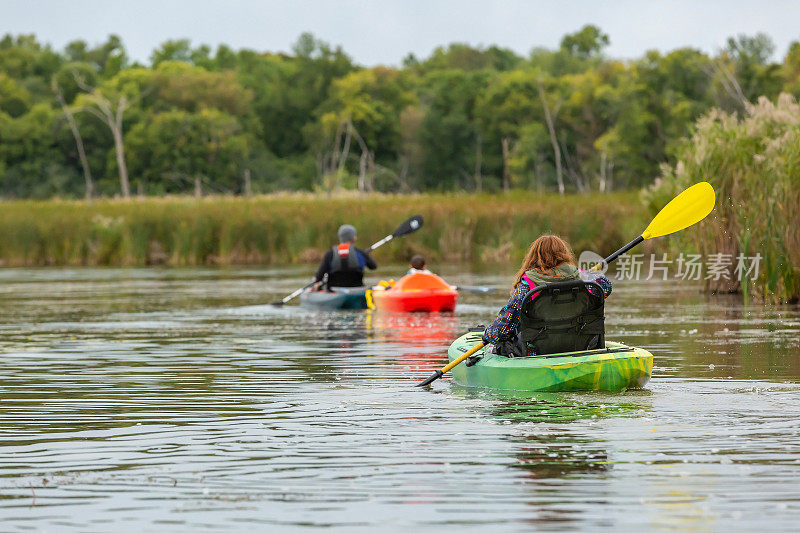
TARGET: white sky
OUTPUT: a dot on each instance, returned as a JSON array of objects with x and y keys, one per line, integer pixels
[{"x": 383, "y": 32}]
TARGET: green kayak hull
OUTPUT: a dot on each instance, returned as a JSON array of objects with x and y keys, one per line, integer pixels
[
  {"x": 616, "y": 368},
  {"x": 336, "y": 298}
]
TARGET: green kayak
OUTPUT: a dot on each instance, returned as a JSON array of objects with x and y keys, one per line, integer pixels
[
  {"x": 335, "y": 298},
  {"x": 616, "y": 368}
]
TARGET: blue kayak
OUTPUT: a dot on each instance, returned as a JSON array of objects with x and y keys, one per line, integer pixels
[{"x": 335, "y": 298}]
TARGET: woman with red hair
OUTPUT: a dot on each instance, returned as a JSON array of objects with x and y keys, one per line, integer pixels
[{"x": 549, "y": 260}]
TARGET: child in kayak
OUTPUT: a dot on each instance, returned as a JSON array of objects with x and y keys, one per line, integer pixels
[
  {"x": 417, "y": 265},
  {"x": 549, "y": 260}
]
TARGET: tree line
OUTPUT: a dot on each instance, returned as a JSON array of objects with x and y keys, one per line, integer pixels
[{"x": 88, "y": 121}]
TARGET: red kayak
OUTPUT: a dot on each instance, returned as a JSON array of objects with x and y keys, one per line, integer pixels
[{"x": 420, "y": 291}]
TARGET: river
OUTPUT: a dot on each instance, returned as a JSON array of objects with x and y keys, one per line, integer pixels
[{"x": 177, "y": 399}]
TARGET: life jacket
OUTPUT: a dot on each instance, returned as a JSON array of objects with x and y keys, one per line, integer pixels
[
  {"x": 563, "y": 317},
  {"x": 345, "y": 258}
]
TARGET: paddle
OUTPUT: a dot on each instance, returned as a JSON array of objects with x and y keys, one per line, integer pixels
[
  {"x": 409, "y": 226},
  {"x": 475, "y": 289},
  {"x": 688, "y": 208}
]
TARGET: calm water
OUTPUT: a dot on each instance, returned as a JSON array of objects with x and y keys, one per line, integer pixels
[{"x": 142, "y": 400}]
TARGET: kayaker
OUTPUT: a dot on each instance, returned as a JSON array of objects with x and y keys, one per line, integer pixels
[
  {"x": 344, "y": 264},
  {"x": 549, "y": 259},
  {"x": 417, "y": 265}
]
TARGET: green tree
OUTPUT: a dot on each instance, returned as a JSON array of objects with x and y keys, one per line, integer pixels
[
  {"x": 460, "y": 56},
  {"x": 791, "y": 70},
  {"x": 587, "y": 42},
  {"x": 364, "y": 108},
  {"x": 107, "y": 59},
  {"x": 744, "y": 72},
  {"x": 174, "y": 150},
  {"x": 30, "y": 163},
  {"x": 450, "y": 135},
  {"x": 15, "y": 100},
  {"x": 288, "y": 90},
  {"x": 172, "y": 50}
]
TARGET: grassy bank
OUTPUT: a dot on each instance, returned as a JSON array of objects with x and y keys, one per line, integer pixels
[
  {"x": 278, "y": 229},
  {"x": 753, "y": 162}
]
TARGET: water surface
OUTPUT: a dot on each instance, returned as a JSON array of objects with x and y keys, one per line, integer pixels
[{"x": 147, "y": 399}]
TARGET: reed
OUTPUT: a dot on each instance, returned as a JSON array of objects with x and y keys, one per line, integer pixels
[
  {"x": 298, "y": 228},
  {"x": 753, "y": 162}
]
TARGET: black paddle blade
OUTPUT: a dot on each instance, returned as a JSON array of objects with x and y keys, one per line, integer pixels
[
  {"x": 436, "y": 375},
  {"x": 409, "y": 226},
  {"x": 277, "y": 304}
]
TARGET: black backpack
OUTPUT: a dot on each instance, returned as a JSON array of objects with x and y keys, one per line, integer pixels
[{"x": 563, "y": 317}]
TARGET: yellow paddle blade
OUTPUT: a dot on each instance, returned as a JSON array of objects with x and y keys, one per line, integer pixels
[{"x": 688, "y": 208}]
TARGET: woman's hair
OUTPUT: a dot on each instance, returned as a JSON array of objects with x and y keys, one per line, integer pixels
[
  {"x": 418, "y": 262},
  {"x": 545, "y": 253}
]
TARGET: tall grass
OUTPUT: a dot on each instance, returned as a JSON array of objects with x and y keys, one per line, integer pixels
[
  {"x": 278, "y": 229},
  {"x": 753, "y": 162}
]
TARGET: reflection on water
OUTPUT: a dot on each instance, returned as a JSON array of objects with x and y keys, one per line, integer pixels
[{"x": 175, "y": 399}]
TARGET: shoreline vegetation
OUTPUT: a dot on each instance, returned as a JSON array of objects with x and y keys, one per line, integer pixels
[
  {"x": 753, "y": 161},
  {"x": 297, "y": 228},
  {"x": 244, "y": 125}
]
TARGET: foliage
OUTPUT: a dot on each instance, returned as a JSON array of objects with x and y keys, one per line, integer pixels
[
  {"x": 463, "y": 118},
  {"x": 753, "y": 162}
]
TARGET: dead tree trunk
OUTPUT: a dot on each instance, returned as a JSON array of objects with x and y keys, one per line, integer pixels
[
  {"x": 119, "y": 148},
  {"x": 371, "y": 172},
  {"x": 111, "y": 115},
  {"x": 539, "y": 172},
  {"x": 76, "y": 134},
  {"x": 602, "y": 185},
  {"x": 553, "y": 139},
  {"x": 345, "y": 150},
  {"x": 506, "y": 172},
  {"x": 248, "y": 188},
  {"x": 198, "y": 187},
  {"x": 366, "y": 163},
  {"x": 334, "y": 159},
  {"x": 478, "y": 163},
  {"x": 362, "y": 171},
  {"x": 403, "y": 176}
]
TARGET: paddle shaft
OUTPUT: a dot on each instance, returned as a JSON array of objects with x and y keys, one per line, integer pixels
[
  {"x": 381, "y": 242},
  {"x": 619, "y": 252},
  {"x": 462, "y": 357},
  {"x": 294, "y": 294},
  {"x": 478, "y": 289},
  {"x": 439, "y": 373}
]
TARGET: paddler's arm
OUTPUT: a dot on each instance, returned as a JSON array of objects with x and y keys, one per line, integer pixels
[
  {"x": 369, "y": 262},
  {"x": 324, "y": 266},
  {"x": 506, "y": 324},
  {"x": 599, "y": 278}
]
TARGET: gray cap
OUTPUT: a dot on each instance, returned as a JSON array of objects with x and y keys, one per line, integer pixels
[{"x": 346, "y": 233}]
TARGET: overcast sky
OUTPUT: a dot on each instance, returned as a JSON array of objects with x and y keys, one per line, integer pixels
[{"x": 383, "y": 32}]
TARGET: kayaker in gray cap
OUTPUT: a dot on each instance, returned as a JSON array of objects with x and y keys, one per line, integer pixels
[{"x": 344, "y": 264}]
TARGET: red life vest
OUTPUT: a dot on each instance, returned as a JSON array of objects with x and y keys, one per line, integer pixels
[{"x": 345, "y": 257}]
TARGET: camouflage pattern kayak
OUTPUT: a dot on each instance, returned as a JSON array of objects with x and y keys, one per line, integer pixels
[{"x": 615, "y": 368}]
